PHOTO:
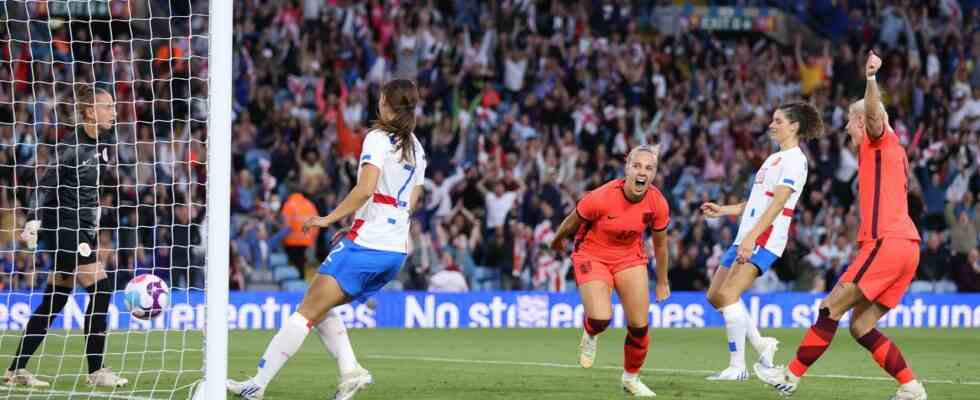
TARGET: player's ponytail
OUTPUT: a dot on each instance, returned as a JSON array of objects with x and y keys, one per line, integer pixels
[
  {"x": 400, "y": 96},
  {"x": 811, "y": 123}
]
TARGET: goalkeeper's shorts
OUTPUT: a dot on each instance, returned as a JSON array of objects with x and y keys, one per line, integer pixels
[
  {"x": 64, "y": 244},
  {"x": 361, "y": 272}
]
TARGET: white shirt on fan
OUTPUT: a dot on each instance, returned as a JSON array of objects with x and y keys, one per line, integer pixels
[
  {"x": 382, "y": 222},
  {"x": 784, "y": 168}
]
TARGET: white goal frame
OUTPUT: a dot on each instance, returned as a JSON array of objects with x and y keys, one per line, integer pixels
[{"x": 219, "y": 191}]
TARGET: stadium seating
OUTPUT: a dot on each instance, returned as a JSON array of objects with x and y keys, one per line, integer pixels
[
  {"x": 283, "y": 273},
  {"x": 295, "y": 285}
]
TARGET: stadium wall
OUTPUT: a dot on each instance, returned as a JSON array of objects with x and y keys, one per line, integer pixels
[{"x": 267, "y": 310}]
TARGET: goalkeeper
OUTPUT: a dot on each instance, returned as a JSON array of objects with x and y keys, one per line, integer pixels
[{"x": 65, "y": 218}]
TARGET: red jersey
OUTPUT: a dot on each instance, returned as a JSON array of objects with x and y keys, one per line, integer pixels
[
  {"x": 883, "y": 175},
  {"x": 613, "y": 231}
]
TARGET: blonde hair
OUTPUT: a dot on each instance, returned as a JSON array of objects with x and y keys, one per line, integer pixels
[
  {"x": 652, "y": 149},
  {"x": 858, "y": 106}
]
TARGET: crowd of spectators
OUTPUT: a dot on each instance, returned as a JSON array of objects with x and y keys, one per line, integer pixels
[{"x": 529, "y": 104}]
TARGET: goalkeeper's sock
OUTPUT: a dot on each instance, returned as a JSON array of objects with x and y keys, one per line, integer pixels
[
  {"x": 736, "y": 325},
  {"x": 333, "y": 335},
  {"x": 55, "y": 298},
  {"x": 283, "y": 345},
  {"x": 888, "y": 356},
  {"x": 635, "y": 348},
  {"x": 815, "y": 342},
  {"x": 100, "y": 294}
]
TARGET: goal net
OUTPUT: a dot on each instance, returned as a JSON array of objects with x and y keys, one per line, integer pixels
[{"x": 152, "y": 193}]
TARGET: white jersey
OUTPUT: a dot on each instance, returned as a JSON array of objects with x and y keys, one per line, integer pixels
[
  {"x": 784, "y": 168},
  {"x": 382, "y": 222}
]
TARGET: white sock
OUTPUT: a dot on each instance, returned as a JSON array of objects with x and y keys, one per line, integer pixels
[
  {"x": 752, "y": 333},
  {"x": 283, "y": 345},
  {"x": 736, "y": 324},
  {"x": 333, "y": 335},
  {"x": 628, "y": 376}
]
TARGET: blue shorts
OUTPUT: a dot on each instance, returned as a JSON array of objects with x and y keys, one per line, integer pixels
[
  {"x": 761, "y": 258},
  {"x": 361, "y": 272}
]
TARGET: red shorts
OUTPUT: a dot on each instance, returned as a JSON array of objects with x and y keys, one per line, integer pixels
[
  {"x": 589, "y": 269},
  {"x": 884, "y": 269}
]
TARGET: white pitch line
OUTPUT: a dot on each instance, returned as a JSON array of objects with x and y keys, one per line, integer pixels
[
  {"x": 29, "y": 393},
  {"x": 664, "y": 370}
]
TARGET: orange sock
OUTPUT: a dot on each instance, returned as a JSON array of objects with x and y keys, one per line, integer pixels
[{"x": 635, "y": 349}]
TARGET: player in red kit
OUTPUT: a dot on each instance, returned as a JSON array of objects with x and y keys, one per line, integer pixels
[
  {"x": 609, "y": 225},
  {"x": 887, "y": 258}
]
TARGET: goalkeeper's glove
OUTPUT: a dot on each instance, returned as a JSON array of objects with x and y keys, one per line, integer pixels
[{"x": 29, "y": 234}]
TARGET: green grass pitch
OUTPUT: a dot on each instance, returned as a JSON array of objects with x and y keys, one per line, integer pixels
[{"x": 505, "y": 364}]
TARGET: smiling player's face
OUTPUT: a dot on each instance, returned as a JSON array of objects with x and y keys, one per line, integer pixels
[
  {"x": 855, "y": 125},
  {"x": 641, "y": 167}
]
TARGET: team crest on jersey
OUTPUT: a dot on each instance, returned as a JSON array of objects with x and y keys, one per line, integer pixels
[
  {"x": 585, "y": 267},
  {"x": 648, "y": 219}
]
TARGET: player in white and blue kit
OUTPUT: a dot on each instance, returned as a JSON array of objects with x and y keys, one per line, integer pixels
[
  {"x": 762, "y": 233},
  {"x": 389, "y": 184}
]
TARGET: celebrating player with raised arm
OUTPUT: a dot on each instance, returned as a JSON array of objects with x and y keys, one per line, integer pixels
[
  {"x": 65, "y": 219},
  {"x": 762, "y": 233},
  {"x": 389, "y": 184},
  {"x": 887, "y": 258},
  {"x": 610, "y": 223}
]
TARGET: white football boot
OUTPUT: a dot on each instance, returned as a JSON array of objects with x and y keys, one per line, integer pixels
[
  {"x": 246, "y": 389},
  {"x": 352, "y": 382},
  {"x": 634, "y": 387},
  {"x": 106, "y": 378},
  {"x": 779, "y": 377},
  {"x": 730, "y": 374},
  {"x": 913, "y": 390},
  {"x": 586, "y": 350},
  {"x": 767, "y": 351},
  {"x": 23, "y": 377}
]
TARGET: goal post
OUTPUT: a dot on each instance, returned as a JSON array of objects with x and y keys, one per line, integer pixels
[
  {"x": 161, "y": 202},
  {"x": 219, "y": 191}
]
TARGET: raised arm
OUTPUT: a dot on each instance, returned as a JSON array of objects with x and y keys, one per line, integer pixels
[
  {"x": 480, "y": 185},
  {"x": 874, "y": 116},
  {"x": 455, "y": 178},
  {"x": 521, "y": 187}
]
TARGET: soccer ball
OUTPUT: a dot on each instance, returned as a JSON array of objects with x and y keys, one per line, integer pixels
[{"x": 147, "y": 296}]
